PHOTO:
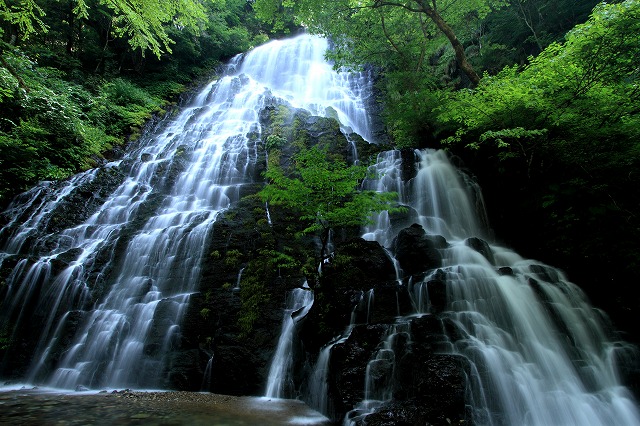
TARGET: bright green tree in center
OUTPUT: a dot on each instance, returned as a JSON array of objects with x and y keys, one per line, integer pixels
[{"x": 325, "y": 191}]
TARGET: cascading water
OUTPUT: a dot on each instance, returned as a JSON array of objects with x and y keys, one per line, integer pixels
[
  {"x": 173, "y": 187},
  {"x": 110, "y": 289},
  {"x": 279, "y": 382},
  {"x": 539, "y": 353}
]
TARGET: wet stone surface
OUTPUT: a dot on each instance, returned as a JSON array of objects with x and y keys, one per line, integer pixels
[{"x": 36, "y": 407}]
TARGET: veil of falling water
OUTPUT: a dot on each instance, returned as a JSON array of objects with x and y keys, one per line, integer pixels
[
  {"x": 184, "y": 175},
  {"x": 539, "y": 353}
]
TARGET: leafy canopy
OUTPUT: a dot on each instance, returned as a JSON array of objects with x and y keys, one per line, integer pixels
[
  {"x": 396, "y": 34},
  {"x": 587, "y": 87},
  {"x": 26, "y": 15},
  {"x": 144, "y": 23}
]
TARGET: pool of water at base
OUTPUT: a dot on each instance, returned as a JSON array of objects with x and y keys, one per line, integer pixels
[{"x": 35, "y": 406}]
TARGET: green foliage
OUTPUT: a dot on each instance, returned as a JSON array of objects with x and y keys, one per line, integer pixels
[
  {"x": 143, "y": 23},
  {"x": 280, "y": 261},
  {"x": 274, "y": 142},
  {"x": 122, "y": 107},
  {"x": 253, "y": 292},
  {"x": 233, "y": 258},
  {"x": 26, "y": 15},
  {"x": 253, "y": 285},
  {"x": 58, "y": 127},
  {"x": 567, "y": 127},
  {"x": 75, "y": 79},
  {"x": 324, "y": 191},
  {"x": 397, "y": 36},
  {"x": 278, "y": 14},
  {"x": 410, "y": 107},
  {"x": 584, "y": 88},
  {"x": 8, "y": 85},
  {"x": 529, "y": 26}
]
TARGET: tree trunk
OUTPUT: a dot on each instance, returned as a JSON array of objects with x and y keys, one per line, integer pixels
[
  {"x": 70, "y": 19},
  {"x": 443, "y": 26}
]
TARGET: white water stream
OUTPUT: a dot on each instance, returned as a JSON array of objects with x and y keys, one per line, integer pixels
[
  {"x": 279, "y": 381},
  {"x": 540, "y": 354},
  {"x": 185, "y": 174}
]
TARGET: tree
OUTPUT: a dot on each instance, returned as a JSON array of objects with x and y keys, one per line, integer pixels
[
  {"x": 566, "y": 131},
  {"x": 325, "y": 192},
  {"x": 143, "y": 23},
  {"x": 365, "y": 29},
  {"x": 587, "y": 86},
  {"x": 25, "y": 15}
]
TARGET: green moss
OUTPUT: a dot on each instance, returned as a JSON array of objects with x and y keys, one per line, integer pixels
[
  {"x": 5, "y": 339},
  {"x": 254, "y": 291},
  {"x": 204, "y": 313},
  {"x": 233, "y": 258},
  {"x": 254, "y": 294}
]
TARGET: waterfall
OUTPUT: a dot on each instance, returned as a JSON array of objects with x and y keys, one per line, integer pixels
[
  {"x": 539, "y": 353},
  {"x": 279, "y": 382},
  {"x": 113, "y": 287},
  {"x": 207, "y": 377},
  {"x": 388, "y": 178},
  {"x": 106, "y": 291},
  {"x": 379, "y": 375}
]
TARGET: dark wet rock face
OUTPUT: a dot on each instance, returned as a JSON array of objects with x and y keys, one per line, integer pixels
[
  {"x": 424, "y": 385},
  {"x": 417, "y": 252},
  {"x": 481, "y": 247},
  {"x": 349, "y": 359},
  {"x": 356, "y": 267},
  {"x": 403, "y": 361},
  {"x": 85, "y": 200}
]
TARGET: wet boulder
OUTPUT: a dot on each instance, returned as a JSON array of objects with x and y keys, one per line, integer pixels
[
  {"x": 506, "y": 270},
  {"x": 360, "y": 264},
  {"x": 90, "y": 195},
  {"x": 385, "y": 303},
  {"x": 429, "y": 334},
  {"x": 236, "y": 369},
  {"x": 437, "y": 289},
  {"x": 185, "y": 372},
  {"x": 348, "y": 365},
  {"x": 356, "y": 267},
  {"x": 437, "y": 385},
  {"x": 546, "y": 273},
  {"x": 417, "y": 252},
  {"x": 482, "y": 247}
]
